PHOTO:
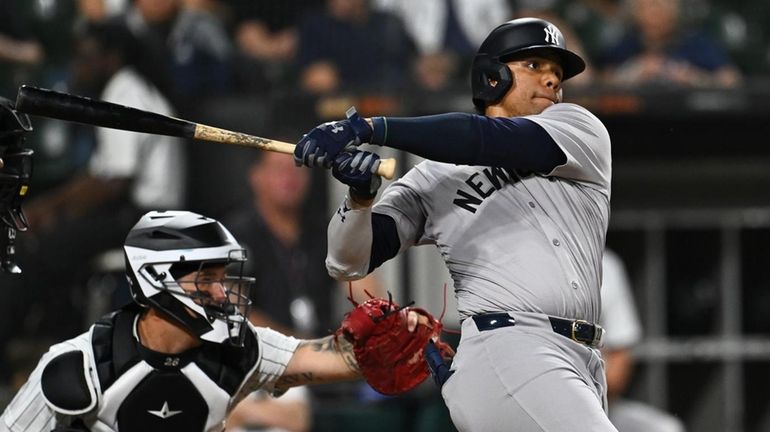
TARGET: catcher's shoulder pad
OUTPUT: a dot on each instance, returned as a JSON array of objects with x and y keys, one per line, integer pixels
[{"x": 67, "y": 385}]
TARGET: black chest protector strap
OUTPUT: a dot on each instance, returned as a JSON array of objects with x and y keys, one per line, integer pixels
[
  {"x": 67, "y": 385},
  {"x": 114, "y": 344},
  {"x": 116, "y": 350}
]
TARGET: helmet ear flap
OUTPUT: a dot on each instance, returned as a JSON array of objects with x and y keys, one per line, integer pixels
[{"x": 490, "y": 80}]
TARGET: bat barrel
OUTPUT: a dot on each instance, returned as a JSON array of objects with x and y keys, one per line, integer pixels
[{"x": 80, "y": 109}]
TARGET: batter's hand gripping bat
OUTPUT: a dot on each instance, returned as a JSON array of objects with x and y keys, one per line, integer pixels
[{"x": 63, "y": 106}]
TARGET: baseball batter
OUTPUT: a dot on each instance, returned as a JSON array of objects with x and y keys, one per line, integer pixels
[{"x": 517, "y": 202}]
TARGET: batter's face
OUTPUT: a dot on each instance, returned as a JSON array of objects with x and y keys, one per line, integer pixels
[{"x": 536, "y": 86}]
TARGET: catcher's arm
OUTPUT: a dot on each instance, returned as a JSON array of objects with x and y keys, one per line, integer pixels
[
  {"x": 320, "y": 361},
  {"x": 329, "y": 359}
]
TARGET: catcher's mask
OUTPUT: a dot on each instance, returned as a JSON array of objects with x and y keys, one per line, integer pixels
[
  {"x": 164, "y": 247},
  {"x": 490, "y": 77}
]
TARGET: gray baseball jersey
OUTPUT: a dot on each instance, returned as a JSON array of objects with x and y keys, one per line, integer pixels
[
  {"x": 512, "y": 240},
  {"x": 524, "y": 243}
]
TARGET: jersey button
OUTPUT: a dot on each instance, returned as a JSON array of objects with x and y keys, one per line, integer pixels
[
  {"x": 531, "y": 204},
  {"x": 574, "y": 284},
  {"x": 556, "y": 242}
]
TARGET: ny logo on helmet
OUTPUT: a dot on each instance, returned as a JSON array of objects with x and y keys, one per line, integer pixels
[{"x": 552, "y": 35}]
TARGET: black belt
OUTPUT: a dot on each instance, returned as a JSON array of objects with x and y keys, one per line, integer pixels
[{"x": 577, "y": 330}]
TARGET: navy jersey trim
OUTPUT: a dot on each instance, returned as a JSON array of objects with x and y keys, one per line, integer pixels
[
  {"x": 469, "y": 139},
  {"x": 385, "y": 241}
]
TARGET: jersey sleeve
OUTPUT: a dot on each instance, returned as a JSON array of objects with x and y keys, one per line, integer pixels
[
  {"x": 29, "y": 410},
  {"x": 276, "y": 350},
  {"x": 583, "y": 139},
  {"x": 350, "y": 232},
  {"x": 350, "y": 239},
  {"x": 402, "y": 200}
]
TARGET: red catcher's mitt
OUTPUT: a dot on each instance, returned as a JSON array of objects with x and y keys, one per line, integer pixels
[{"x": 390, "y": 356}]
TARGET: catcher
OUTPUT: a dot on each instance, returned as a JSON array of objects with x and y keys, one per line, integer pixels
[{"x": 183, "y": 355}]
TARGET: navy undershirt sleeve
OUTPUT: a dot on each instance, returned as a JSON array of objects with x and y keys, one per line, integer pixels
[
  {"x": 470, "y": 139},
  {"x": 385, "y": 242}
]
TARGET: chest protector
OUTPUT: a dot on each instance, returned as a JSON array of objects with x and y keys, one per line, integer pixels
[{"x": 147, "y": 391}]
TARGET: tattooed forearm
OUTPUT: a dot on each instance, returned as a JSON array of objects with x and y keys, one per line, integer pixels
[
  {"x": 326, "y": 366},
  {"x": 320, "y": 345},
  {"x": 346, "y": 351},
  {"x": 339, "y": 345},
  {"x": 287, "y": 381}
]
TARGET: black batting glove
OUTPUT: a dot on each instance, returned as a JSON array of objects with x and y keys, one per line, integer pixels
[
  {"x": 358, "y": 169},
  {"x": 323, "y": 143}
]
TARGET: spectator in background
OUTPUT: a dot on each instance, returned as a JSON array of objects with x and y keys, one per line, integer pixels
[
  {"x": 127, "y": 174},
  {"x": 549, "y": 11},
  {"x": 293, "y": 291},
  {"x": 446, "y": 34},
  {"x": 266, "y": 35},
  {"x": 348, "y": 45},
  {"x": 621, "y": 321},
  {"x": 18, "y": 46},
  {"x": 100, "y": 10},
  {"x": 599, "y": 23},
  {"x": 195, "y": 42},
  {"x": 661, "y": 48}
]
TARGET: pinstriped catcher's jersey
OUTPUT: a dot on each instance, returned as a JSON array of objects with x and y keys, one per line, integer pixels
[
  {"x": 513, "y": 240},
  {"x": 135, "y": 389}
]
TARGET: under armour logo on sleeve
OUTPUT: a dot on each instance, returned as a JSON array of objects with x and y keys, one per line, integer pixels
[{"x": 337, "y": 128}]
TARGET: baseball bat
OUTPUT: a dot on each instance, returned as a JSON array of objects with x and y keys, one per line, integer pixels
[{"x": 80, "y": 109}]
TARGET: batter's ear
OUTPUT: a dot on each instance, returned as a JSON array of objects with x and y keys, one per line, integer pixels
[{"x": 490, "y": 80}]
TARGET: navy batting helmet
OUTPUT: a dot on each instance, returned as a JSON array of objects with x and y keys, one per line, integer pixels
[{"x": 514, "y": 38}]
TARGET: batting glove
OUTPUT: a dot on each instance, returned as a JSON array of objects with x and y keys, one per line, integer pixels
[
  {"x": 357, "y": 169},
  {"x": 323, "y": 143}
]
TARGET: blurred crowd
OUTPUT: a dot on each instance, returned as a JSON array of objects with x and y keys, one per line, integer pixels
[
  {"x": 215, "y": 47},
  {"x": 259, "y": 55},
  {"x": 175, "y": 56}
]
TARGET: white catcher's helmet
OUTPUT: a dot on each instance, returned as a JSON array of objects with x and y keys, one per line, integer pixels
[{"x": 164, "y": 246}]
